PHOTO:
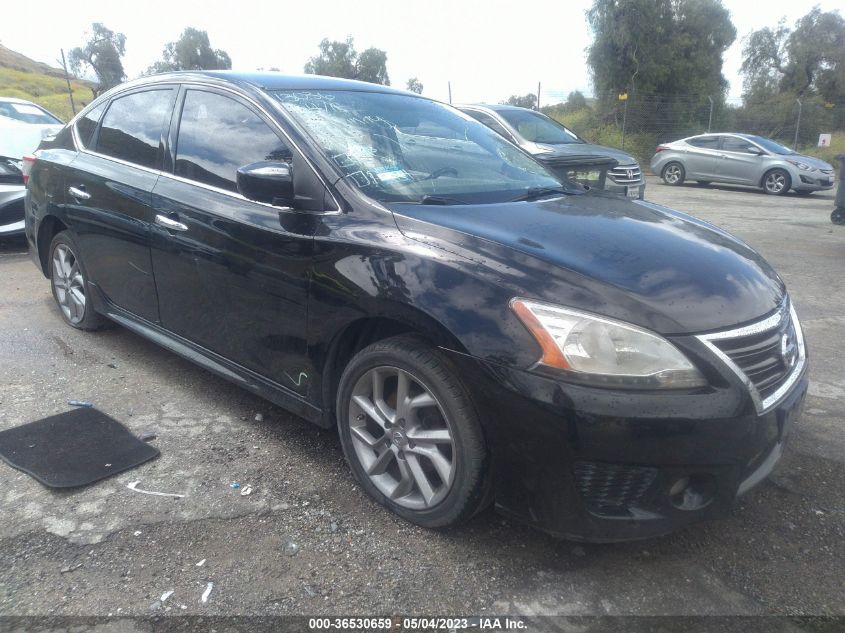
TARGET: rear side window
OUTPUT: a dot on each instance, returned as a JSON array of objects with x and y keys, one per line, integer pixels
[
  {"x": 218, "y": 135},
  {"x": 705, "y": 142},
  {"x": 87, "y": 125},
  {"x": 132, "y": 127}
]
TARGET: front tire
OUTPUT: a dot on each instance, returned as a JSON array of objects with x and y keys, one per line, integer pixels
[
  {"x": 777, "y": 182},
  {"x": 673, "y": 174},
  {"x": 410, "y": 433},
  {"x": 69, "y": 283}
]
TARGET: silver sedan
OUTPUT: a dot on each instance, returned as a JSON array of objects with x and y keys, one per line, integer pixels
[{"x": 741, "y": 159}]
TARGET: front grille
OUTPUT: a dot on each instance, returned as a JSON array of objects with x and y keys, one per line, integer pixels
[
  {"x": 612, "y": 488},
  {"x": 626, "y": 175},
  {"x": 769, "y": 354}
]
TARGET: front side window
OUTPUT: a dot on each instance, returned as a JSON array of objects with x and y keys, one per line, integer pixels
[
  {"x": 218, "y": 135},
  {"x": 538, "y": 128},
  {"x": 399, "y": 148},
  {"x": 734, "y": 144},
  {"x": 133, "y": 125}
]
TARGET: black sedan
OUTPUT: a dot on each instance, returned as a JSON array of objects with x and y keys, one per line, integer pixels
[{"x": 381, "y": 263}]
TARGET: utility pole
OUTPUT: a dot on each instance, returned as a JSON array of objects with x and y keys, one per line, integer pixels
[
  {"x": 67, "y": 79},
  {"x": 797, "y": 124},
  {"x": 450, "y": 92},
  {"x": 538, "y": 96},
  {"x": 710, "y": 118}
]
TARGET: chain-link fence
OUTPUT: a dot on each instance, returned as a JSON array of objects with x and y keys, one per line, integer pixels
[{"x": 639, "y": 122}]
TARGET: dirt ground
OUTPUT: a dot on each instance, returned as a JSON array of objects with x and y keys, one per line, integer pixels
[{"x": 308, "y": 541}]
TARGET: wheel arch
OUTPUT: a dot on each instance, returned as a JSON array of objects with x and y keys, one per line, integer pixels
[
  {"x": 366, "y": 330},
  {"x": 48, "y": 228}
]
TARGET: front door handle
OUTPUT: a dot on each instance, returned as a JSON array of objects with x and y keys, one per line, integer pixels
[
  {"x": 79, "y": 194},
  {"x": 173, "y": 225}
]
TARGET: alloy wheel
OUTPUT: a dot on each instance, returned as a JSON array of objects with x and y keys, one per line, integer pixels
[
  {"x": 402, "y": 437},
  {"x": 672, "y": 174},
  {"x": 775, "y": 182},
  {"x": 68, "y": 283}
]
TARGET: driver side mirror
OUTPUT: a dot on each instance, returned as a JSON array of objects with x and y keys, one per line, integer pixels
[{"x": 267, "y": 181}]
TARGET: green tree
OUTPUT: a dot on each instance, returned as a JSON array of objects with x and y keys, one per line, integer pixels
[
  {"x": 102, "y": 53},
  {"x": 575, "y": 101},
  {"x": 806, "y": 60},
  {"x": 192, "y": 51},
  {"x": 414, "y": 85},
  {"x": 340, "y": 59},
  {"x": 525, "y": 101},
  {"x": 667, "y": 47}
]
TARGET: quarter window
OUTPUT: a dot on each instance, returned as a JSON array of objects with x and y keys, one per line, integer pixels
[
  {"x": 87, "y": 125},
  {"x": 132, "y": 127},
  {"x": 218, "y": 135}
]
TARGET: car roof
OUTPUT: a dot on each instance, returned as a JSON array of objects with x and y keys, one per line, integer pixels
[
  {"x": 16, "y": 100},
  {"x": 495, "y": 107},
  {"x": 268, "y": 80}
]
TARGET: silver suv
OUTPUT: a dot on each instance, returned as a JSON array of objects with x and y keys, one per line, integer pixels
[
  {"x": 558, "y": 147},
  {"x": 742, "y": 159}
]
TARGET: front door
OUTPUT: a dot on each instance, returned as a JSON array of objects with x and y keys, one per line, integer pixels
[
  {"x": 740, "y": 163},
  {"x": 230, "y": 278}
]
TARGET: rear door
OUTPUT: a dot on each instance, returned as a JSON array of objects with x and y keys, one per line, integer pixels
[
  {"x": 739, "y": 164},
  {"x": 230, "y": 278},
  {"x": 702, "y": 159},
  {"x": 109, "y": 190}
]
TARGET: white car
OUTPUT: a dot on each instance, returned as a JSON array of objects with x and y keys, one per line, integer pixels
[{"x": 23, "y": 125}]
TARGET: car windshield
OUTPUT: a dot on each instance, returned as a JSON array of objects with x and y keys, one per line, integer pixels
[
  {"x": 537, "y": 128},
  {"x": 772, "y": 146},
  {"x": 399, "y": 148},
  {"x": 27, "y": 113}
]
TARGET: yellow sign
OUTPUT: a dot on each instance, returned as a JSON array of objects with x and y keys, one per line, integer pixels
[{"x": 623, "y": 96}]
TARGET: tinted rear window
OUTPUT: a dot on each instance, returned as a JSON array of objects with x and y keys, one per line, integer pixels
[{"x": 133, "y": 125}]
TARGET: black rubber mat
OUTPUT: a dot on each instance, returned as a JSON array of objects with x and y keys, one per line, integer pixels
[{"x": 73, "y": 449}]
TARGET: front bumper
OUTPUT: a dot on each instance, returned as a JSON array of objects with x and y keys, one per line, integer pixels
[
  {"x": 11, "y": 209},
  {"x": 813, "y": 181},
  {"x": 598, "y": 465}
]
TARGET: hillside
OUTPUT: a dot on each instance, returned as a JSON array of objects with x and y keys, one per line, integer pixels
[{"x": 25, "y": 78}]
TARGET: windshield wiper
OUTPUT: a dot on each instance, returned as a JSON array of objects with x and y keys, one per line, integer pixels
[
  {"x": 535, "y": 193},
  {"x": 439, "y": 200}
]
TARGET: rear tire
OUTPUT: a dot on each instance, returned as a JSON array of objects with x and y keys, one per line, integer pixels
[
  {"x": 777, "y": 182},
  {"x": 673, "y": 174},
  {"x": 69, "y": 283},
  {"x": 426, "y": 459}
]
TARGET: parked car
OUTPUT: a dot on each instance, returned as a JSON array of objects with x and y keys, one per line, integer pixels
[
  {"x": 379, "y": 263},
  {"x": 22, "y": 127},
  {"x": 562, "y": 150},
  {"x": 742, "y": 159}
]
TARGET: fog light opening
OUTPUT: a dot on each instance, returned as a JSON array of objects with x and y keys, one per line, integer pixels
[{"x": 693, "y": 492}]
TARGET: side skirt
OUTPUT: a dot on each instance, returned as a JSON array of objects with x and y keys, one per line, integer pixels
[{"x": 241, "y": 376}]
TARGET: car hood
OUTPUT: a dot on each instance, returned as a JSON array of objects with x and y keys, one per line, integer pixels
[
  {"x": 632, "y": 260},
  {"x": 582, "y": 149},
  {"x": 17, "y": 139},
  {"x": 812, "y": 161}
]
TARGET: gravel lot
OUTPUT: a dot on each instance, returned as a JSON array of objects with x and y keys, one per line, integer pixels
[{"x": 108, "y": 550}]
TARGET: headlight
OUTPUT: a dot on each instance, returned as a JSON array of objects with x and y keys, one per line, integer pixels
[
  {"x": 599, "y": 351},
  {"x": 800, "y": 165}
]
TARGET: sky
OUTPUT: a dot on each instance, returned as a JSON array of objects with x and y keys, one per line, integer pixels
[{"x": 487, "y": 50}]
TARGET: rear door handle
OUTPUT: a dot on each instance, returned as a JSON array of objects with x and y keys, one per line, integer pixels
[
  {"x": 173, "y": 225},
  {"x": 79, "y": 194}
]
